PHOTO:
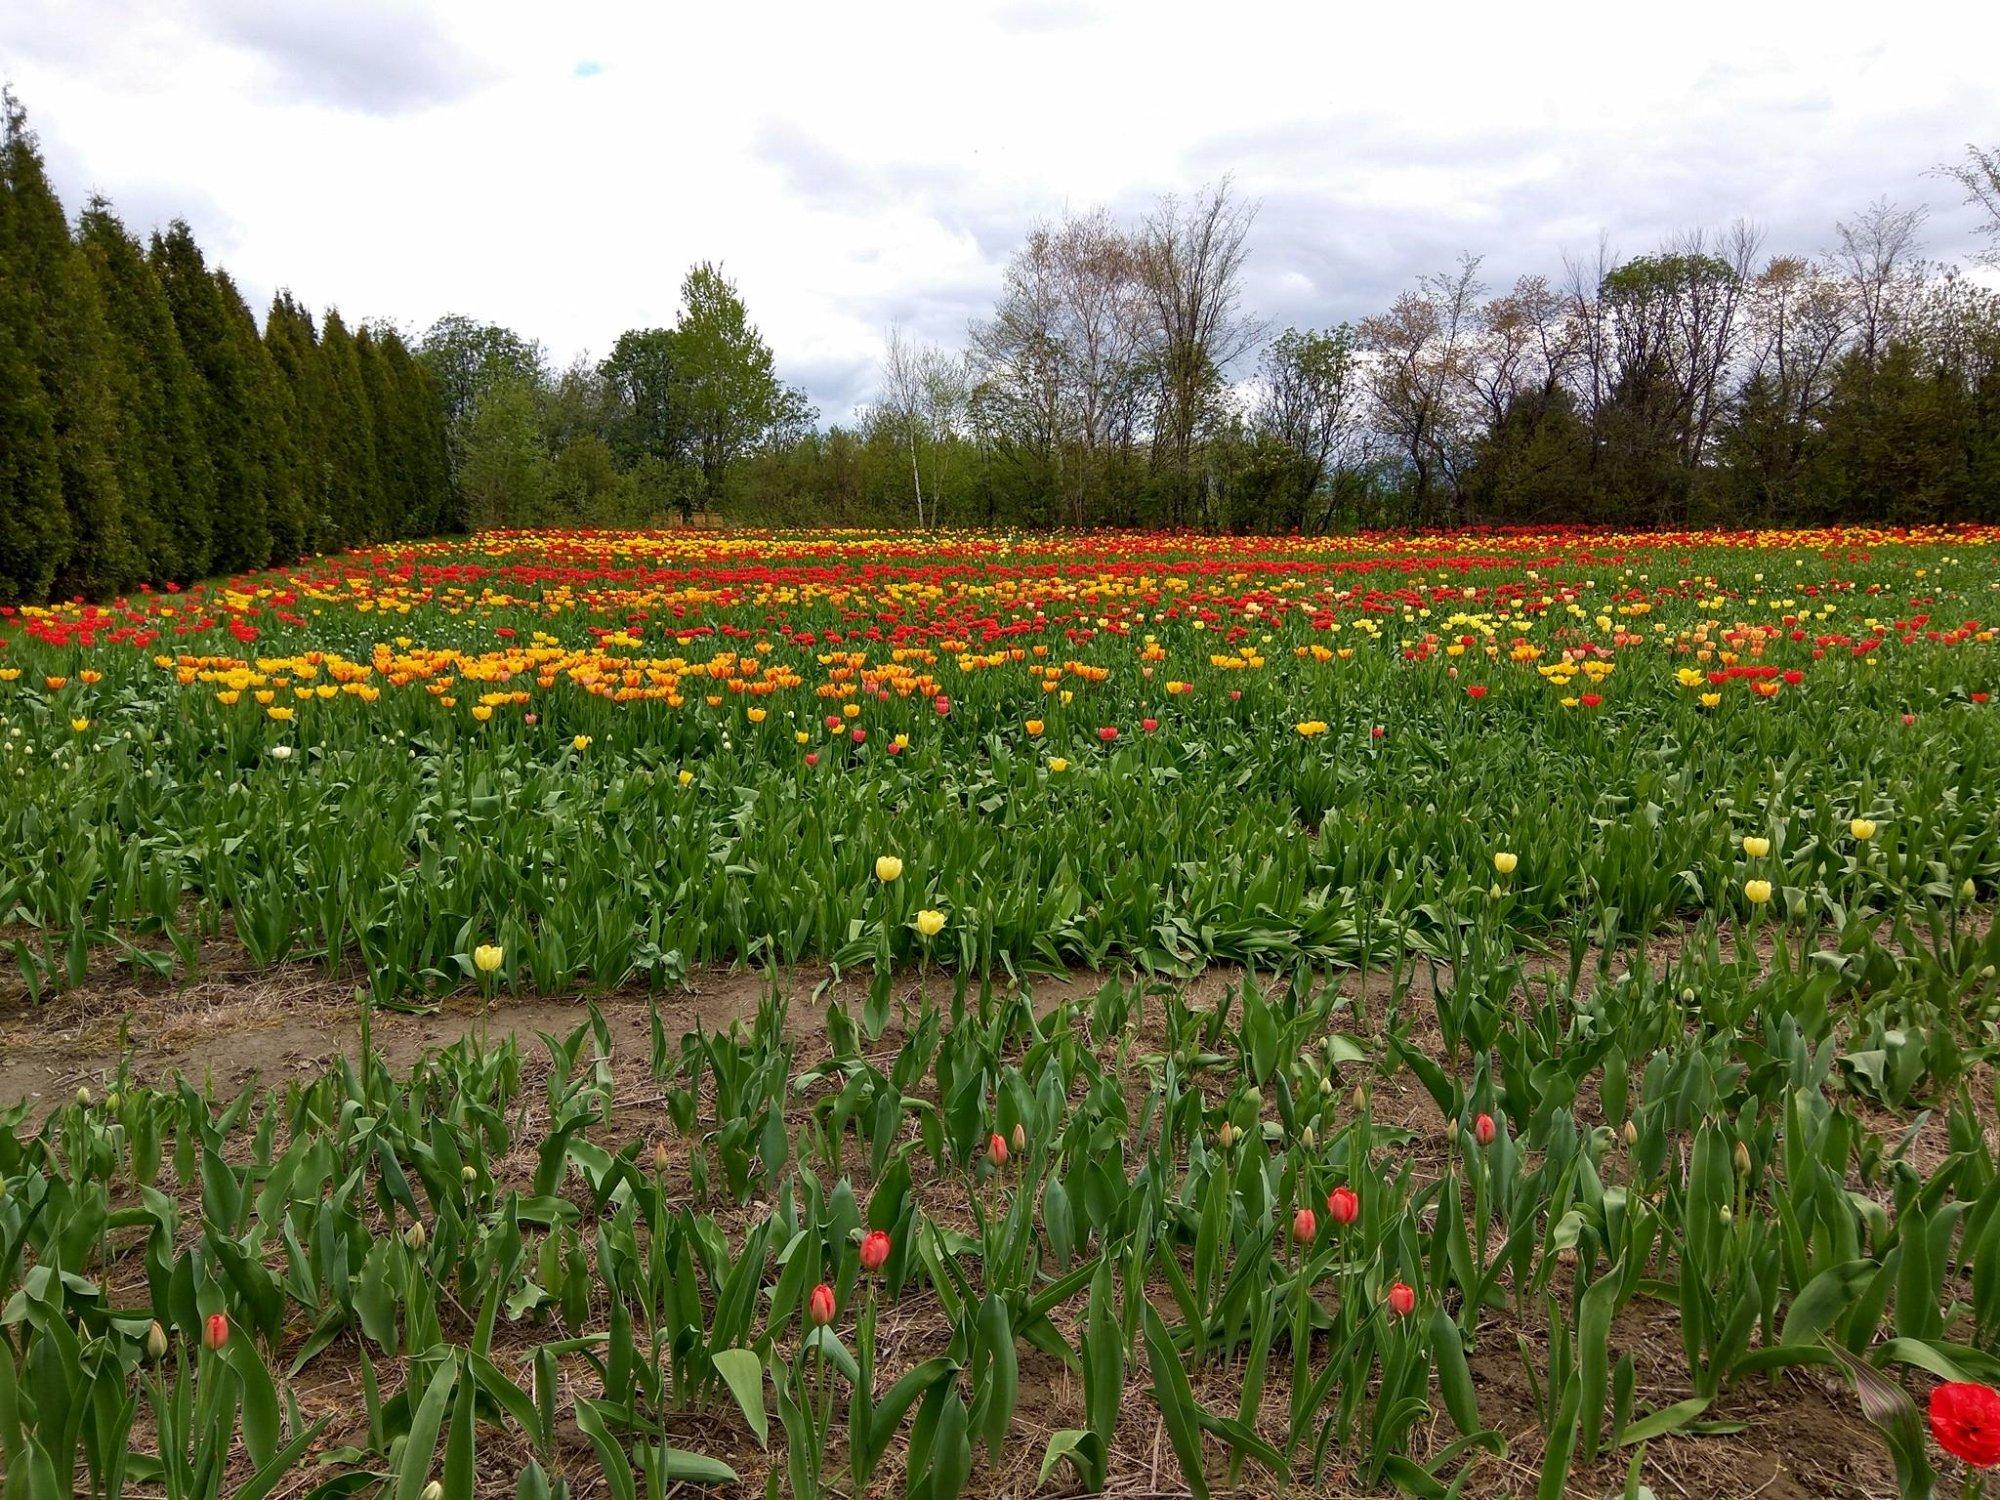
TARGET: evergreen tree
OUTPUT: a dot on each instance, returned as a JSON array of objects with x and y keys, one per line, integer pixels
[
  {"x": 166, "y": 482},
  {"x": 34, "y": 527},
  {"x": 292, "y": 342},
  {"x": 210, "y": 336},
  {"x": 353, "y": 475},
  {"x": 61, "y": 331}
]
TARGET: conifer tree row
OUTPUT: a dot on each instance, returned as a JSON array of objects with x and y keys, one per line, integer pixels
[{"x": 151, "y": 432}]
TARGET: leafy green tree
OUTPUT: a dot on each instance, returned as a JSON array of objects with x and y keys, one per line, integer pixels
[
  {"x": 639, "y": 374},
  {"x": 729, "y": 392},
  {"x": 503, "y": 476}
]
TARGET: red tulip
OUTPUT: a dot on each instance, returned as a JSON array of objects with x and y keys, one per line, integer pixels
[
  {"x": 1149, "y": 725},
  {"x": 1305, "y": 1228},
  {"x": 1477, "y": 690},
  {"x": 1909, "y": 718},
  {"x": 833, "y": 721},
  {"x": 1108, "y": 733},
  {"x": 215, "y": 1332},
  {"x": 1343, "y": 1205},
  {"x": 812, "y": 757},
  {"x": 819, "y": 1306},
  {"x": 1980, "y": 697},
  {"x": 1402, "y": 1301},
  {"x": 1965, "y": 1420},
  {"x": 875, "y": 1246},
  {"x": 859, "y": 736},
  {"x": 1591, "y": 700},
  {"x": 942, "y": 704},
  {"x": 996, "y": 1149},
  {"x": 1482, "y": 1130},
  {"x": 1377, "y": 732}
]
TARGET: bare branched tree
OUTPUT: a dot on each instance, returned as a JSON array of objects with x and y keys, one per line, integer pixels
[{"x": 1191, "y": 256}]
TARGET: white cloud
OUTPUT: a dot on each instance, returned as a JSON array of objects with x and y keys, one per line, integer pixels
[{"x": 558, "y": 167}]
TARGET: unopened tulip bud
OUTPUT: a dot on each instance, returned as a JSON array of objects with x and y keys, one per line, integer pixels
[
  {"x": 1020, "y": 1140},
  {"x": 1307, "y": 1138},
  {"x": 1360, "y": 1098},
  {"x": 1226, "y": 1136},
  {"x": 820, "y": 1306},
  {"x": 1483, "y": 1130},
  {"x": 416, "y": 1236},
  {"x": 1742, "y": 1160},
  {"x": 156, "y": 1342},
  {"x": 431, "y": 1491},
  {"x": 659, "y": 1156},
  {"x": 215, "y": 1332},
  {"x": 468, "y": 1175},
  {"x": 996, "y": 1150},
  {"x": 1631, "y": 1134},
  {"x": 1254, "y": 1097}
]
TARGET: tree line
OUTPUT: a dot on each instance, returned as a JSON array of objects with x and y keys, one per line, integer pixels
[
  {"x": 1706, "y": 382},
  {"x": 152, "y": 432}
]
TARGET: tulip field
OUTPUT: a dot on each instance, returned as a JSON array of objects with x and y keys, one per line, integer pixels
[{"x": 836, "y": 1013}]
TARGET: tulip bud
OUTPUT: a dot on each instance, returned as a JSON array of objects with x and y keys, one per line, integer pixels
[
  {"x": 1226, "y": 1136},
  {"x": 819, "y": 1306},
  {"x": 996, "y": 1150},
  {"x": 215, "y": 1332},
  {"x": 83, "y": 1097},
  {"x": 1254, "y": 1097},
  {"x": 1631, "y": 1134},
  {"x": 1482, "y": 1130},
  {"x": 1342, "y": 1205},
  {"x": 875, "y": 1247},
  {"x": 1742, "y": 1160},
  {"x": 1968, "y": 890},
  {"x": 431, "y": 1491},
  {"x": 1326, "y": 1085},
  {"x": 1307, "y": 1139},
  {"x": 1402, "y": 1299},
  {"x": 1360, "y": 1098},
  {"x": 156, "y": 1342},
  {"x": 468, "y": 1175},
  {"x": 1304, "y": 1226},
  {"x": 659, "y": 1156},
  {"x": 1020, "y": 1140},
  {"x": 416, "y": 1236}
]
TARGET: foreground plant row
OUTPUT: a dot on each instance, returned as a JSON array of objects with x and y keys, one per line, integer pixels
[{"x": 1128, "y": 1186}]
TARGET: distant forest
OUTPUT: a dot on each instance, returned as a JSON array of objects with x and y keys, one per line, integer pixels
[{"x": 152, "y": 431}]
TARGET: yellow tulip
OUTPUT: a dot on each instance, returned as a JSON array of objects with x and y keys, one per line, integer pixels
[
  {"x": 1057, "y": 764},
  {"x": 581, "y": 742},
  {"x": 1758, "y": 891},
  {"x": 930, "y": 922},
  {"x": 686, "y": 777},
  {"x": 1505, "y": 861},
  {"x": 488, "y": 957},
  {"x": 1756, "y": 847},
  {"x": 888, "y": 868},
  {"x": 1862, "y": 828},
  {"x": 79, "y": 725}
]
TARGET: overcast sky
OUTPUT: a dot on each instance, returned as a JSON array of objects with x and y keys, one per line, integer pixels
[{"x": 556, "y": 166}]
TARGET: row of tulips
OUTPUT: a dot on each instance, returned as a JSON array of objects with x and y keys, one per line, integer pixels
[{"x": 1166, "y": 1198}]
